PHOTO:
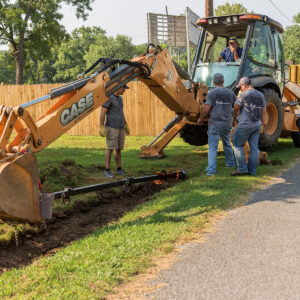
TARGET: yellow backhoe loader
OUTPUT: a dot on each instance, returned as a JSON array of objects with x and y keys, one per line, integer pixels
[
  {"x": 19, "y": 184},
  {"x": 20, "y": 196}
]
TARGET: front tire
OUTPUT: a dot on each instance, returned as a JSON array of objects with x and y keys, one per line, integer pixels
[{"x": 273, "y": 129}]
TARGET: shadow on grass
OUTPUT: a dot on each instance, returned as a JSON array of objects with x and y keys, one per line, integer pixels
[
  {"x": 183, "y": 203},
  {"x": 174, "y": 211},
  {"x": 130, "y": 159}
]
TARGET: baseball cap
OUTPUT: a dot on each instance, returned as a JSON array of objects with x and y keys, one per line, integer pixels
[
  {"x": 233, "y": 39},
  {"x": 218, "y": 78},
  {"x": 244, "y": 80},
  {"x": 125, "y": 87}
]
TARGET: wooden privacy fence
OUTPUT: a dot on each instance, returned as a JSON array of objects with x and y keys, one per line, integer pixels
[{"x": 145, "y": 113}]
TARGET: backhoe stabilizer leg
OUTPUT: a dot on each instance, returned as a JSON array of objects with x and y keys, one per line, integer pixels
[{"x": 155, "y": 150}]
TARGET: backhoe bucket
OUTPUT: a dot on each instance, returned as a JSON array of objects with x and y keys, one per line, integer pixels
[{"x": 19, "y": 189}]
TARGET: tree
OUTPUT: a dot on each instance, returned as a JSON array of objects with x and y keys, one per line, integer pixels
[
  {"x": 179, "y": 55},
  {"x": 297, "y": 18},
  {"x": 40, "y": 70},
  {"x": 7, "y": 68},
  {"x": 34, "y": 24},
  {"x": 229, "y": 9},
  {"x": 119, "y": 47},
  {"x": 140, "y": 49},
  {"x": 70, "y": 55},
  {"x": 291, "y": 41}
]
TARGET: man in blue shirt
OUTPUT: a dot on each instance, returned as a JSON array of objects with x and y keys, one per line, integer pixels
[
  {"x": 233, "y": 52},
  {"x": 251, "y": 108}
]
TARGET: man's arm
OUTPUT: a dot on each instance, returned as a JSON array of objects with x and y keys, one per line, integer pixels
[
  {"x": 104, "y": 110},
  {"x": 126, "y": 127},
  {"x": 204, "y": 114},
  {"x": 237, "y": 109},
  {"x": 222, "y": 55},
  {"x": 235, "y": 54},
  {"x": 264, "y": 116},
  {"x": 233, "y": 49},
  {"x": 102, "y": 130}
]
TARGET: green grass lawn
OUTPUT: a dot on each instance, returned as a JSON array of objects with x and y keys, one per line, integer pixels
[{"x": 91, "y": 267}]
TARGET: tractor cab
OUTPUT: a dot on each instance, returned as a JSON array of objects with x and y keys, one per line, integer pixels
[{"x": 259, "y": 38}]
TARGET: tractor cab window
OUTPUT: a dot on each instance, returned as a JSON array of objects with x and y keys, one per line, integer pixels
[
  {"x": 261, "y": 52},
  {"x": 279, "y": 51},
  {"x": 212, "y": 47},
  {"x": 207, "y": 65},
  {"x": 261, "y": 47}
]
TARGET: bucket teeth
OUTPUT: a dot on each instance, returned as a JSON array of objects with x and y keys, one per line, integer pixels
[{"x": 19, "y": 189}]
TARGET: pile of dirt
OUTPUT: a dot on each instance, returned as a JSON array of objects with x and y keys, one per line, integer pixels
[
  {"x": 82, "y": 219},
  {"x": 61, "y": 174}
]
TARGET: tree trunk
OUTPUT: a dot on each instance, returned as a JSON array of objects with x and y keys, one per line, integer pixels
[
  {"x": 19, "y": 49},
  {"x": 19, "y": 67}
]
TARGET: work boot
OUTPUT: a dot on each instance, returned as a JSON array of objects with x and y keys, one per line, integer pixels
[
  {"x": 107, "y": 173},
  {"x": 120, "y": 171}
]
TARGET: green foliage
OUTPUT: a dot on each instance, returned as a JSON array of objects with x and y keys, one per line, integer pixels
[
  {"x": 7, "y": 68},
  {"x": 93, "y": 266},
  {"x": 40, "y": 71},
  {"x": 297, "y": 18},
  {"x": 119, "y": 47},
  {"x": 65, "y": 61},
  {"x": 70, "y": 54},
  {"x": 32, "y": 27},
  {"x": 140, "y": 49},
  {"x": 230, "y": 9},
  {"x": 291, "y": 42},
  {"x": 180, "y": 56},
  {"x": 84, "y": 47}
]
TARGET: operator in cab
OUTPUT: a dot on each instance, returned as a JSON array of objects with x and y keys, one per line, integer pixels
[{"x": 231, "y": 53}]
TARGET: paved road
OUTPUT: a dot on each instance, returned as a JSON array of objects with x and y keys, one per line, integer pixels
[{"x": 254, "y": 253}]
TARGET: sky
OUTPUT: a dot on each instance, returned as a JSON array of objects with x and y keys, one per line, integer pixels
[{"x": 129, "y": 17}]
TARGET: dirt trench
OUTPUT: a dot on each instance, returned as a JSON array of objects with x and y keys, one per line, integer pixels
[{"x": 73, "y": 224}]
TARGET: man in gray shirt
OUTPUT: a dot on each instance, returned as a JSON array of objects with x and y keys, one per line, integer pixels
[
  {"x": 219, "y": 106},
  {"x": 251, "y": 108},
  {"x": 114, "y": 129}
]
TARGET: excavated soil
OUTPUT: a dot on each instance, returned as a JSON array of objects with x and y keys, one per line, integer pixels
[{"x": 73, "y": 224}]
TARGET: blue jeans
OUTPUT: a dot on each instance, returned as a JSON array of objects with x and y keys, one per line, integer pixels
[
  {"x": 214, "y": 133},
  {"x": 240, "y": 136}
]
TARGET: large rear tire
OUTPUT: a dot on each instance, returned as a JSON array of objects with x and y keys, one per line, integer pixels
[
  {"x": 194, "y": 134},
  {"x": 273, "y": 129}
]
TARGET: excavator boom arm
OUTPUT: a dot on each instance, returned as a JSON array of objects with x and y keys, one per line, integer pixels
[{"x": 76, "y": 101}]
